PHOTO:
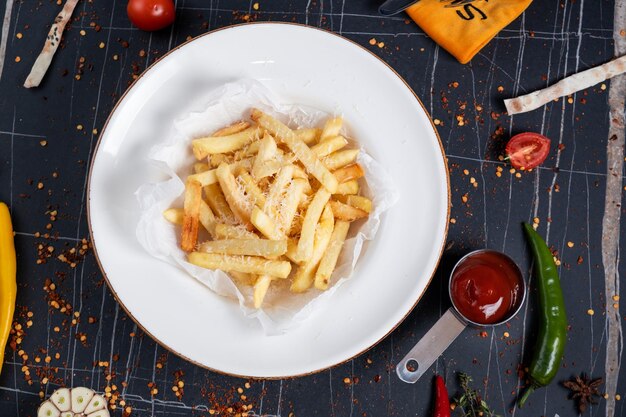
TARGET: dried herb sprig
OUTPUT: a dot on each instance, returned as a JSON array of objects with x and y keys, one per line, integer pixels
[
  {"x": 470, "y": 402},
  {"x": 583, "y": 390}
]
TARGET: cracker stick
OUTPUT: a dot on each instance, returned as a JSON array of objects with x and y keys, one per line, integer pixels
[
  {"x": 568, "y": 85},
  {"x": 50, "y": 47}
]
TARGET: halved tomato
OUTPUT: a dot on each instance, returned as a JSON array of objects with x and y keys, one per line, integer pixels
[{"x": 527, "y": 150}]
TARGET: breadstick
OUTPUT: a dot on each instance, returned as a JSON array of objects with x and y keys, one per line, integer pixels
[
  {"x": 566, "y": 86},
  {"x": 52, "y": 43}
]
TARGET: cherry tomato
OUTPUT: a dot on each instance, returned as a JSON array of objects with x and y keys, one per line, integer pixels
[
  {"x": 527, "y": 150},
  {"x": 151, "y": 15}
]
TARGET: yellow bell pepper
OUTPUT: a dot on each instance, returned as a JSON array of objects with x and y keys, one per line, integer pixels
[{"x": 8, "y": 283}]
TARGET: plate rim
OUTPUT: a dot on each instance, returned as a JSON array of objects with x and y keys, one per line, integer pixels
[{"x": 121, "y": 99}]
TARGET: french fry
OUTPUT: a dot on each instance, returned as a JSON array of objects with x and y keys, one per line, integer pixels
[
  {"x": 216, "y": 159},
  {"x": 265, "y": 225},
  {"x": 329, "y": 260},
  {"x": 300, "y": 173},
  {"x": 252, "y": 190},
  {"x": 217, "y": 202},
  {"x": 274, "y": 197},
  {"x": 266, "y": 152},
  {"x": 227, "y": 231},
  {"x": 292, "y": 248},
  {"x": 331, "y": 128},
  {"x": 261, "y": 286},
  {"x": 311, "y": 218},
  {"x": 300, "y": 149},
  {"x": 340, "y": 159},
  {"x": 232, "y": 129},
  {"x": 252, "y": 149},
  {"x": 329, "y": 146},
  {"x": 349, "y": 172},
  {"x": 349, "y": 187},
  {"x": 203, "y": 147},
  {"x": 245, "y": 264},
  {"x": 237, "y": 201},
  {"x": 207, "y": 218},
  {"x": 174, "y": 216},
  {"x": 308, "y": 136},
  {"x": 210, "y": 177},
  {"x": 345, "y": 212},
  {"x": 191, "y": 207},
  {"x": 289, "y": 206},
  {"x": 254, "y": 247},
  {"x": 357, "y": 201},
  {"x": 296, "y": 225},
  {"x": 304, "y": 276},
  {"x": 199, "y": 167}
]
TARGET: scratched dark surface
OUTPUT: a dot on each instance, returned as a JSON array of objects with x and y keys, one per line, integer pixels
[{"x": 552, "y": 39}]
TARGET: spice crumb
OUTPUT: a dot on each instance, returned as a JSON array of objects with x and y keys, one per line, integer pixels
[
  {"x": 453, "y": 220},
  {"x": 347, "y": 380},
  {"x": 506, "y": 334},
  {"x": 590, "y": 312},
  {"x": 603, "y": 87},
  {"x": 570, "y": 244},
  {"x": 18, "y": 35},
  {"x": 381, "y": 44},
  {"x": 616, "y": 297},
  {"x": 373, "y": 41},
  {"x": 102, "y": 45},
  {"x": 18, "y": 59},
  {"x": 255, "y": 6},
  {"x": 618, "y": 397}
]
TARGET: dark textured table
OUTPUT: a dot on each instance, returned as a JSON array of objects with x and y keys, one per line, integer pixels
[{"x": 70, "y": 331}]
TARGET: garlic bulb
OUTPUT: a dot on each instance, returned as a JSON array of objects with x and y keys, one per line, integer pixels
[{"x": 77, "y": 402}]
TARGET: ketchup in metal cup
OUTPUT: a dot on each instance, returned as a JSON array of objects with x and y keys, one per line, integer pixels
[{"x": 485, "y": 287}]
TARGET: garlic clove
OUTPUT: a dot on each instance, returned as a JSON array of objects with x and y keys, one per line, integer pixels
[
  {"x": 47, "y": 409},
  {"x": 97, "y": 403},
  {"x": 81, "y": 397},
  {"x": 61, "y": 398},
  {"x": 67, "y": 414},
  {"x": 99, "y": 413}
]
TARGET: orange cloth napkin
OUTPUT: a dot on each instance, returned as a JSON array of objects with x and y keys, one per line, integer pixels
[{"x": 463, "y": 27}]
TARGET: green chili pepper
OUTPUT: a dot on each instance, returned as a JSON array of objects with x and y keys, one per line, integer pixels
[{"x": 552, "y": 334}]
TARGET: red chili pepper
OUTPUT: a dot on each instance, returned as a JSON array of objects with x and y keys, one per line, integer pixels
[{"x": 442, "y": 403}]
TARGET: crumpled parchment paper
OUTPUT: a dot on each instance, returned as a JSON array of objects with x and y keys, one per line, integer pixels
[{"x": 282, "y": 309}]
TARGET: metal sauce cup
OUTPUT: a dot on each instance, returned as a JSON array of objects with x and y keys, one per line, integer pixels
[{"x": 452, "y": 323}]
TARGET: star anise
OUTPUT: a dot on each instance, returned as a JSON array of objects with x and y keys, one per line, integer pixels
[{"x": 583, "y": 390}]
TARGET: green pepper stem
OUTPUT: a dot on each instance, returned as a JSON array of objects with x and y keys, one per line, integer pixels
[{"x": 524, "y": 396}]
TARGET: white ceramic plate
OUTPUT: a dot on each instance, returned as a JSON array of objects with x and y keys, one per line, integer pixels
[{"x": 306, "y": 66}]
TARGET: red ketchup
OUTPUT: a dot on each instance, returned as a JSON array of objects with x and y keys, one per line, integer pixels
[{"x": 485, "y": 287}]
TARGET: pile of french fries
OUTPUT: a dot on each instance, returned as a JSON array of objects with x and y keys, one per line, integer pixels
[{"x": 272, "y": 199}]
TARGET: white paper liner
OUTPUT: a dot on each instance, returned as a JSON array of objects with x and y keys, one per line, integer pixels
[{"x": 282, "y": 309}]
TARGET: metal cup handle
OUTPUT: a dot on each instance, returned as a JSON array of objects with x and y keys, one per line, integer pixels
[{"x": 430, "y": 347}]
